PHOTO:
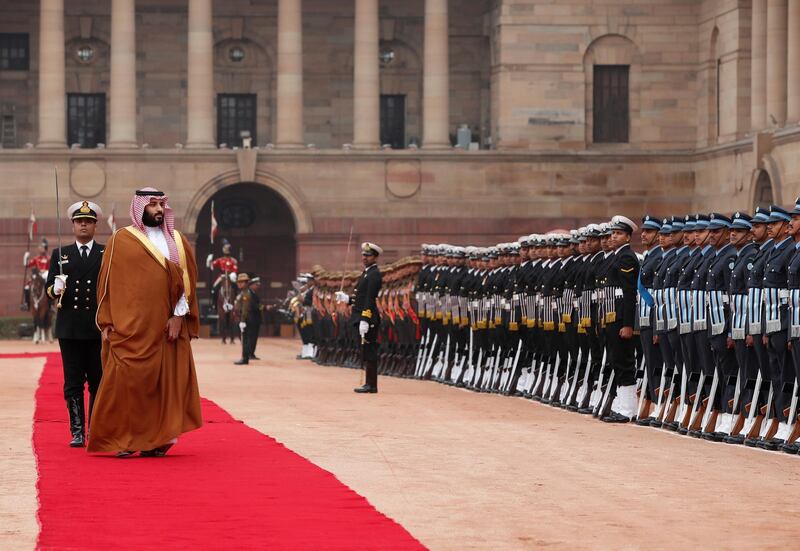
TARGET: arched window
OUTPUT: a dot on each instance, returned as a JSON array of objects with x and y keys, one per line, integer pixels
[
  {"x": 763, "y": 193},
  {"x": 612, "y": 71}
]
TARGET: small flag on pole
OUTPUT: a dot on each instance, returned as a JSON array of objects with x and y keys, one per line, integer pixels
[
  {"x": 32, "y": 225},
  {"x": 112, "y": 222},
  {"x": 213, "y": 224}
]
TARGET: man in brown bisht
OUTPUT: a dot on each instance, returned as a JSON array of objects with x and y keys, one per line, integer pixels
[{"x": 147, "y": 312}]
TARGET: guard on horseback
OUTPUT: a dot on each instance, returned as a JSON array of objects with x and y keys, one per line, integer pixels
[
  {"x": 40, "y": 263},
  {"x": 72, "y": 282},
  {"x": 223, "y": 293}
]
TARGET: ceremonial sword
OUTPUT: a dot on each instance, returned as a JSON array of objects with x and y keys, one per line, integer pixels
[{"x": 60, "y": 259}]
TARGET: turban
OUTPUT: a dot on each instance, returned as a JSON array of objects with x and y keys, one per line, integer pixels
[{"x": 140, "y": 200}]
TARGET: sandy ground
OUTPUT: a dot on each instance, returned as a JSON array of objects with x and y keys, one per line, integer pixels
[
  {"x": 18, "y": 526},
  {"x": 466, "y": 471}
]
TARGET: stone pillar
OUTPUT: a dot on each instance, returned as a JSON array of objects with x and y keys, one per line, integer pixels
[
  {"x": 793, "y": 64},
  {"x": 52, "y": 93},
  {"x": 290, "y": 74},
  {"x": 776, "y": 62},
  {"x": 436, "y": 77},
  {"x": 200, "y": 93},
  {"x": 758, "y": 67},
  {"x": 122, "y": 118},
  {"x": 366, "y": 75}
]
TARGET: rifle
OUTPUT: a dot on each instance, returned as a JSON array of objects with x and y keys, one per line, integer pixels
[
  {"x": 697, "y": 398},
  {"x": 575, "y": 390},
  {"x": 710, "y": 415},
  {"x": 644, "y": 403},
  {"x": 747, "y": 414},
  {"x": 513, "y": 372},
  {"x": 597, "y": 393},
  {"x": 421, "y": 352}
]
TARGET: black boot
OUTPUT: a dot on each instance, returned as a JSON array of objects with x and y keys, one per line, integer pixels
[
  {"x": 371, "y": 386},
  {"x": 76, "y": 422}
]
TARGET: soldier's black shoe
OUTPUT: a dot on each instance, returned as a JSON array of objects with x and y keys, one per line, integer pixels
[
  {"x": 241, "y": 362},
  {"x": 793, "y": 449},
  {"x": 734, "y": 439},
  {"x": 672, "y": 425},
  {"x": 645, "y": 421},
  {"x": 751, "y": 442},
  {"x": 714, "y": 436},
  {"x": 696, "y": 433},
  {"x": 254, "y": 357},
  {"x": 656, "y": 424},
  {"x": 76, "y": 421},
  {"x": 615, "y": 417},
  {"x": 771, "y": 445},
  {"x": 586, "y": 411},
  {"x": 683, "y": 431},
  {"x": 572, "y": 407},
  {"x": 366, "y": 389}
]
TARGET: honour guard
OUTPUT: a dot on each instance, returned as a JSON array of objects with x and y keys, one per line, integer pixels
[
  {"x": 226, "y": 264},
  {"x": 243, "y": 308},
  {"x": 72, "y": 282},
  {"x": 365, "y": 313},
  {"x": 653, "y": 254},
  {"x": 621, "y": 290}
]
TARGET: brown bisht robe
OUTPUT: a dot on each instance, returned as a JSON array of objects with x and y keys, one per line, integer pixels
[{"x": 148, "y": 394}]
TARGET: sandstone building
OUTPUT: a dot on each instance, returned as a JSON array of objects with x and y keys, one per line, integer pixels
[{"x": 566, "y": 110}]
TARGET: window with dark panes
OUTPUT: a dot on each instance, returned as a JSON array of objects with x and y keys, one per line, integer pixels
[
  {"x": 14, "y": 52},
  {"x": 610, "y": 105},
  {"x": 393, "y": 120},
  {"x": 236, "y": 113},
  {"x": 86, "y": 119}
]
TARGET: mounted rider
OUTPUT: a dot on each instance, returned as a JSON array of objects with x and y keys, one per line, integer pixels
[{"x": 226, "y": 264}]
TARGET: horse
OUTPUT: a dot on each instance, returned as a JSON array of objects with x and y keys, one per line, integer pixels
[
  {"x": 225, "y": 319},
  {"x": 40, "y": 308}
]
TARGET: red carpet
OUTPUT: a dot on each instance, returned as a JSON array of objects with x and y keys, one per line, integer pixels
[{"x": 225, "y": 486}]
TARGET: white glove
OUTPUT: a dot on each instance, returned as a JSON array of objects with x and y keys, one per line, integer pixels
[
  {"x": 60, "y": 284},
  {"x": 342, "y": 296},
  {"x": 25, "y": 258},
  {"x": 232, "y": 277},
  {"x": 242, "y": 325},
  {"x": 363, "y": 327},
  {"x": 209, "y": 258}
]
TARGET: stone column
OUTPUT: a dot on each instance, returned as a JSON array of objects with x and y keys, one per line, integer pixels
[
  {"x": 290, "y": 74},
  {"x": 122, "y": 118},
  {"x": 436, "y": 77},
  {"x": 52, "y": 93},
  {"x": 200, "y": 93},
  {"x": 793, "y": 64},
  {"x": 776, "y": 62},
  {"x": 366, "y": 75},
  {"x": 758, "y": 66}
]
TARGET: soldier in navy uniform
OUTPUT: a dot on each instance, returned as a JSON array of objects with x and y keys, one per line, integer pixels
[
  {"x": 365, "y": 313},
  {"x": 72, "y": 282},
  {"x": 623, "y": 274}
]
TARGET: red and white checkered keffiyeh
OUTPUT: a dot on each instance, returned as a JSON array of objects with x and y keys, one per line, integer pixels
[{"x": 138, "y": 204}]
